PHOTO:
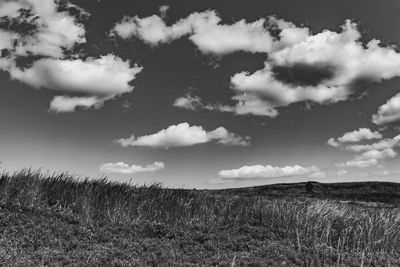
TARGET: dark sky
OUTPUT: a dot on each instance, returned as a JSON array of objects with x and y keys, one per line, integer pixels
[{"x": 82, "y": 139}]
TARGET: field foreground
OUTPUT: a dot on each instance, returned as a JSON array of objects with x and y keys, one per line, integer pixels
[{"x": 58, "y": 221}]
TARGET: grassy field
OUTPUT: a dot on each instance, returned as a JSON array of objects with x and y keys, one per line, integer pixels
[{"x": 59, "y": 220}]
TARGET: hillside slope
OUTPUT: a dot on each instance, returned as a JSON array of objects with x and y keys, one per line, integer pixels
[{"x": 58, "y": 221}]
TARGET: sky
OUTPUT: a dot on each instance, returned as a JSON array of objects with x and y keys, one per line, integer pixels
[{"x": 201, "y": 94}]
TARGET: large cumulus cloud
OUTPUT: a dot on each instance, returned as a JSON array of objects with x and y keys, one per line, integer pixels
[
  {"x": 99, "y": 78},
  {"x": 45, "y": 35},
  {"x": 322, "y": 68}
]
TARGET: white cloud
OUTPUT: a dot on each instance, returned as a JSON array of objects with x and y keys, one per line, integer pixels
[
  {"x": 163, "y": 11},
  {"x": 188, "y": 102},
  {"x": 354, "y": 136},
  {"x": 268, "y": 171},
  {"x": 370, "y": 154},
  {"x": 7, "y": 39},
  {"x": 183, "y": 134},
  {"x": 381, "y": 145},
  {"x": 358, "y": 163},
  {"x": 53, "y": 36},
  {"x": 101, "y": 79},
  {"x": 124, "y": 168},
  {"x": 300, "y": 66},
  {"x": 61, "y": 104},
  {"x": 204, "y": 29},
  {"x": 388, "y": 112},
  {"x": 10, "y": 9},
  {"x": 359, "y": 135},
  {"x": 54, "y": 32},
  {"x": 258, "y": 107},
  {"x": 340, "y": 59},
  {"x": 377, "y": 154},
  {"x": 332, "y": 142},
  {"x": 104, "y": 76}
]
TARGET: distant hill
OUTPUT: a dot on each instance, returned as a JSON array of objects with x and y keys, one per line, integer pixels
[{"x": 385, "y": 192}]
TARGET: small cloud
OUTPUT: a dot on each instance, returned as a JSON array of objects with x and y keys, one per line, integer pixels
[
  {"x": 123, "y": 168},
  {"x": 62, "y": 104},
  {"x": 359, "y": 135},
  {"x": 389, "y": 112},
  {"x": 163, "y": 11},
  {"x": 268, "y": 171},
  {"x": 359, "y": 163},
  {"x": 355, "y": 136},
  {"x": 332, "y": 142},
  {"x": 188, "y": 102}
]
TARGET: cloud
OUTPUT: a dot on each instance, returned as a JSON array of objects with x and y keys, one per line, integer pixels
[
  {"x": 43, "y": 29},
  {"x": 105, "y": 76},
  {"x": 377, "y": 154},
  {"x": 359, "y": 135},
  {"x": 355, "y": 136},
  {"x": 264, "y": 172},
  {"x": 101, "y": 79},
  {"x": 124, "y": 168},
  {"x": 62, "y": 104},
  {"x": 358, "y": 163},
  {"x": 381, "y": 145},
  {"x": 388, "y": 112},
  {"x": 163, "y": 11},
  {"x": 258, "y": 107},
  {"x": 183, "y": 134},
  {"x": 332, "y": 142},
  {"x": 52, "y": 31},
  {"x": 321, "y": 68},
  {"x": 7, "y": 39},
  {"x": 10, "y": 9},
  {"x": 367, "y": 155},
  {"x": 268, "y": 171},
  {"x": 301, "y": 66},
  {"x": 188, "y": 102},
  {"x": 204, "y": 29}
]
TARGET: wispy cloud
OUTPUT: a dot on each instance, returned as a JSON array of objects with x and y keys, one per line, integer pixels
[{"x": 123, "y": 168}]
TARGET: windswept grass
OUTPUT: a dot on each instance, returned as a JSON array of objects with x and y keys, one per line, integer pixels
[{"x": 124, "y": 225}]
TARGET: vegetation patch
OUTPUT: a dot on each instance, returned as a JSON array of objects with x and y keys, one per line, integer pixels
[{"x": 59, "y": 220}]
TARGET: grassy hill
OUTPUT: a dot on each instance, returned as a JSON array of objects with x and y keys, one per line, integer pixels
[{"x": 59, "y": 220}]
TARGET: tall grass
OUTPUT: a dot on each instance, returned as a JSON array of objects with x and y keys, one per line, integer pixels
[{"x": 321, "y": 228}]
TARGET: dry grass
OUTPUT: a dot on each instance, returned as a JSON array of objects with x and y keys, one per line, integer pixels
[{"x": 122, "y": 225}]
